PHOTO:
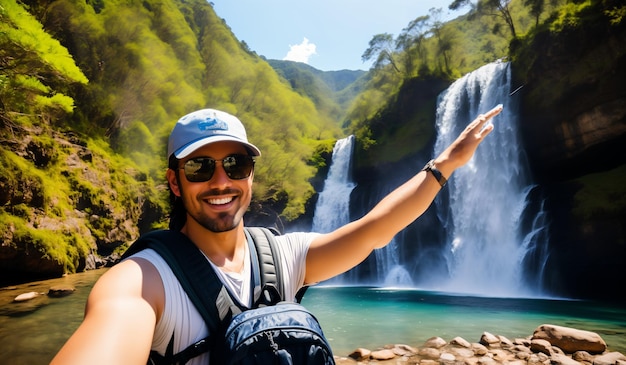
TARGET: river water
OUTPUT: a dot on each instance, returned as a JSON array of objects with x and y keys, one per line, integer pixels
[{"x": 32, "y": 332}]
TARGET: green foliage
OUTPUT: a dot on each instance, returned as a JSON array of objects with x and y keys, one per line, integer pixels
[
  {"x": 27, "y": 34},
  {"x": 65, "y": 248},
  {"x": 35, "y": 67},
  {"x": 152, "y": 62},
  {"x": 568, "y": 16},
  {"x": 428, "y": 48}
]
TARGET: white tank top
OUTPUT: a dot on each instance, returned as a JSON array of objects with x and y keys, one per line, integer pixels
[{"x": 181, "y": 318}]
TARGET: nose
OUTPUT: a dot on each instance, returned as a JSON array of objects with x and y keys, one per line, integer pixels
[{"x": 219, "y": 175}]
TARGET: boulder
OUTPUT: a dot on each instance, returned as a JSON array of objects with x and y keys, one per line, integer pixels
[{"x": 569, "y": 339}]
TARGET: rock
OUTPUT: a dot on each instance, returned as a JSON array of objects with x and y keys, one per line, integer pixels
[
  {"x": 461, "y": 352},
  {"x": 542, "y": 346},
  {"x": 505, "y": 342},
  {"x": 459, "y": 341},
  {"x": 447, "y": 358},
  {"x": 59, "y": 291},
  {"x": 381, "y": 355},
  {"x": 435, "y": 342},
  {"x": 570, "y": 340},
  {"x": 360, "y": 354},
  {"x": 610, "y": 358},
  {"x": 501, "y": 356},
  {"x": 522, "y": 341},
  {"x": 479, "y": 349},
  {"x": 522, "y": 348},
  {"x": 486, "y": 360},
  {"x": 489, "y": 340},
  {"x": 429, "y": 353},
  {"x": 26, "y": 296},
  {"x": 582, "y": 356},
  {"x": 559, "y": 359},
  {"x": 404, "y": 350}
]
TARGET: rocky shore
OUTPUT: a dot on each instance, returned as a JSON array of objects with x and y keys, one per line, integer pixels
[{"x": 548, "y": 345}]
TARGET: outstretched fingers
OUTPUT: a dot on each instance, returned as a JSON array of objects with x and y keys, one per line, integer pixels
[
  {"x": 462, "y": 149},
  {"x": 479, "y": 126}
]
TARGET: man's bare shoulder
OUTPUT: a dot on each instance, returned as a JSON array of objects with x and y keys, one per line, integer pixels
[{"x": 131, "y": 278}]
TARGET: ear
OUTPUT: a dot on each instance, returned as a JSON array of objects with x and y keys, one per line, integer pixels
[{"x": 173, "y": 181}]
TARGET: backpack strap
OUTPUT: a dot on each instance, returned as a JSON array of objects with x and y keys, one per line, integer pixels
[
  {"x": 272, "y": 285},
  {"x": 188, "y": 264},
  {"x": 202, "y": 285}
]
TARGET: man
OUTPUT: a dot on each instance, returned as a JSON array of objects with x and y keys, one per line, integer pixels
[{"x": 137, "y": 305}]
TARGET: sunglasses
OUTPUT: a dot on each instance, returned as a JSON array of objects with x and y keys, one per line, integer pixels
[{"x": 201, "y": 169}]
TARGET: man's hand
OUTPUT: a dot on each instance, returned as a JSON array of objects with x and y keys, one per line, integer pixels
[{"x": 463, "y": 148}]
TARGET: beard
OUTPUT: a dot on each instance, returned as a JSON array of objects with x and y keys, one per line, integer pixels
[{"x": 223, "y": 223}]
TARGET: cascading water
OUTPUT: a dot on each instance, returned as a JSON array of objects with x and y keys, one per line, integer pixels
[
  {"x": 487, "y": 237},
  {"x": 333, "y": 204},
  {"x": 488, "y": 198}
]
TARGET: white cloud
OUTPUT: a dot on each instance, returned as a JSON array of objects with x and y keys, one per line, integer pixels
[{"x": 300, "y": 52}]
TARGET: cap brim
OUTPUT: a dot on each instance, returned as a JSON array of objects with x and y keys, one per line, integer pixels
[{"x": 188, "y": 149}]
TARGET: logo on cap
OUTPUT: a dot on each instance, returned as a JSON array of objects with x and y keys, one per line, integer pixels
[{"x": 212, "y": 124}]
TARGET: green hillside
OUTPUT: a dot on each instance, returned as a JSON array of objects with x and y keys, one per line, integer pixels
[{"x": 90, "y": 91}]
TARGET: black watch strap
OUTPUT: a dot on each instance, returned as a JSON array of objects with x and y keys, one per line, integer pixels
[{"x": 430, "y": 166}]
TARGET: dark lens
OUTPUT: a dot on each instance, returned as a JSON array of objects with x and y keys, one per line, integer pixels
[
  {"x": 238, "y": 167},
  {"x": 199, "y": 169}
]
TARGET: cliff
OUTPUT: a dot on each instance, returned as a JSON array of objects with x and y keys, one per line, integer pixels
[{"x": 573, "y": 123}]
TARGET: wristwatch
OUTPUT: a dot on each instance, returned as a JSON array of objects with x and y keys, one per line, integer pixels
[{"x": 430, "y": 166}]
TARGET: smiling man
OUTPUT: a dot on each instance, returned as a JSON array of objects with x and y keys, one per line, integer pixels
[{"x": 138, "y": 306}]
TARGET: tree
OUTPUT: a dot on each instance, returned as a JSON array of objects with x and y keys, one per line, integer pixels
[
  {"x": 498, "y": 8},
  {"x": 536, "y": 8},
  {"x": 445, "y": 41},
  {"x": 381, "y": 47},
  {"x": 411, "y": 42}
]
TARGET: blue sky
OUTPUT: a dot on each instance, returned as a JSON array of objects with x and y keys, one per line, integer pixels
[{"x": 327, "y": 34}]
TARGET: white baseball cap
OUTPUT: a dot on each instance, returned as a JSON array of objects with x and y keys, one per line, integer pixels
[{"x": 203, "y": 127}]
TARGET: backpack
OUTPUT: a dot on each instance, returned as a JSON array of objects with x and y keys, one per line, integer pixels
[{"x": 271, "y": 332}]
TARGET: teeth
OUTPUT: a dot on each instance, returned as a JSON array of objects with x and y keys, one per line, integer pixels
[{"x": 221, "y": 201}]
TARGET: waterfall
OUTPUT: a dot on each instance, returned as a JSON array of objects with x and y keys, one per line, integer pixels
[
  {"x": 486, "y": 201},
  {"x": 486, "y": 232},
  {"x": 333, "y": 204}
]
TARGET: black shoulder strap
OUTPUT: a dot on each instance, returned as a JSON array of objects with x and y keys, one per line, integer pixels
[
  {"x": 272, "y": 285},
  {"x": 194, "y": 274},
  {"x": 188, "y": 264},
  {"x": 201, "y": 283}
]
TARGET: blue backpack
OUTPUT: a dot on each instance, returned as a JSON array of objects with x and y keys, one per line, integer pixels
[{"x": 271, "y": 332}]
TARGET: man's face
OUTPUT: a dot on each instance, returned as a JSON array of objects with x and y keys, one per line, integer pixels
[{"x": 218, "y": 204}]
